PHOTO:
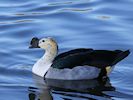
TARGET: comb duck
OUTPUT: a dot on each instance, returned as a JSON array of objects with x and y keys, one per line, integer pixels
[{"x": 77, "y": 64}]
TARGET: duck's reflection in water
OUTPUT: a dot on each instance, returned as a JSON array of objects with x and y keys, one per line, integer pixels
[
  {"x": 61, "y": 89},
  {"x": 41, "y": 91}
]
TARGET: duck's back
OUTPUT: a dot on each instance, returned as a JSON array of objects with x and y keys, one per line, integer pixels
[{"x": 90, "y": 57}]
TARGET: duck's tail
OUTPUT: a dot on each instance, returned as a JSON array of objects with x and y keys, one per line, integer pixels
[{"x": 121, "y": 56}]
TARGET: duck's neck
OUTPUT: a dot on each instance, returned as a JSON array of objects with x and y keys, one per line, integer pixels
[
  {"x": 41, "y": 67},
  {"x": 49, "y": 55}
]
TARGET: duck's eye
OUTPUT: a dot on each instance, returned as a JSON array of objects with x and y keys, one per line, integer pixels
[{"x": 43, "y": 40}]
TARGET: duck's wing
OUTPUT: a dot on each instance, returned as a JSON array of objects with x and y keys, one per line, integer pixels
[
  {"x": 70, "y": 58},
  {"x": 90, "y": 57},
  {"x": 72, "y": 52},
  {"x": 104, "y": 58}
]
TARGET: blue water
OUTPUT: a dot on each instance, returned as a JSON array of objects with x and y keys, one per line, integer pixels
[{"x": 98, "y": 24}]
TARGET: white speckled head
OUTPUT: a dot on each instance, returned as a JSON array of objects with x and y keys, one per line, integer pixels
[{"x": 47, "y": 43}]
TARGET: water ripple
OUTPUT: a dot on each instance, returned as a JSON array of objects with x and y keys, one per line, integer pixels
[{"x": 98, "y": 24}]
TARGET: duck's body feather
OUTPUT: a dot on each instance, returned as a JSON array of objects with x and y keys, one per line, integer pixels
[
  {"x": 76, "y": 73},
  {"x": 90, "y": 57}
]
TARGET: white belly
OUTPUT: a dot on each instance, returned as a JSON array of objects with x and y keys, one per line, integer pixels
[{"x": 76, "y": 73}]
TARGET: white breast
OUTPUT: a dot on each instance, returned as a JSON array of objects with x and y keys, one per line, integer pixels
[{"x": 40, "y": 68}]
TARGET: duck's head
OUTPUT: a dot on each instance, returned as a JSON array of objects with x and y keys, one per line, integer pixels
[{"x": 44, "y": 43}]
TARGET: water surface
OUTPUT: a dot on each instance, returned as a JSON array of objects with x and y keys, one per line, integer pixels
[{"x": 98, "y": 24}]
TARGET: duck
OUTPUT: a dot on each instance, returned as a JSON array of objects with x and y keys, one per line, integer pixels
[{"x": 76, "y": 64}]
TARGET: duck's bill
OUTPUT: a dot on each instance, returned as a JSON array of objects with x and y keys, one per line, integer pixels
[{"x": 34, "y": 43}]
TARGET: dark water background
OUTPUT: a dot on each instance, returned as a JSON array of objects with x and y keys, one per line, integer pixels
[{"x": 98, "y": 24}]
